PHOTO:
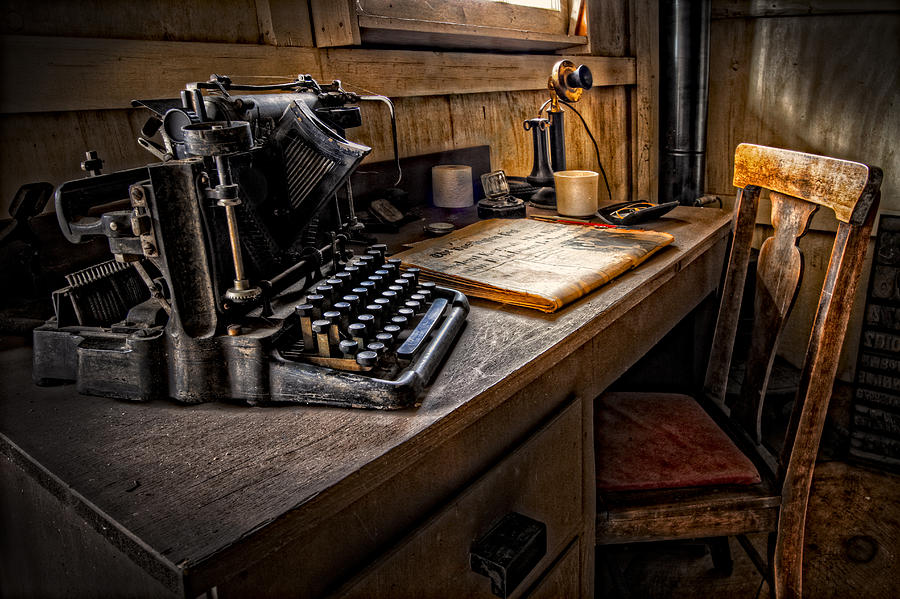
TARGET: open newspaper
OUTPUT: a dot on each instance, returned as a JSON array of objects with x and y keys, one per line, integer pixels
[{"x": 531, "y": 263}]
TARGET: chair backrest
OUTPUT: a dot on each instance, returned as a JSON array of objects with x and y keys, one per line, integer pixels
[{"x": 798, "y": 184}]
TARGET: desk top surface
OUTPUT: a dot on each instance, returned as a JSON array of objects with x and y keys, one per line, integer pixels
[{"x": 184, "y": 482}]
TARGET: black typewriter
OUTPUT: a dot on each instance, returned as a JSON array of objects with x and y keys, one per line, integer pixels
[{"x": 232, "y": 274}]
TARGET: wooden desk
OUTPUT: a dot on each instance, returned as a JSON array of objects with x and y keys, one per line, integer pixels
[{"x": 158, "y": 498}]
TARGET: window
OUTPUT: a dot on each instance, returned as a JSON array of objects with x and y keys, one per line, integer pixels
[{"x": 513, "y": 25}]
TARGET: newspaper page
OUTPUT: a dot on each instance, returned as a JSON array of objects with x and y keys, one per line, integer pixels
[{"x": 532, "y": 263}]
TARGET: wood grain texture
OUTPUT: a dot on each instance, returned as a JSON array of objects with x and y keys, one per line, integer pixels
[
  {"x": 859, "y": 555},
  {"x": 732, "y": 295},
  {"x": 561, "y": 580},
  {"x": 540, "y": 479},
  {"x": 49, "y": 146},
  {"x": 405, "y": 32},
  {"x": 814, "y": 84},
  {"x": 161, "y": 20},
  {"x": 640, "y": 516},
  {"x": 479, "y": 13},
  {"x": 334, "y": 22},
  {"x": 837, "y": 184},
  {"x": 288, "y": 24},
  {"x": 808, "y": 416},
  {"x": 52, "y": 74},
  {"x": 778, "y": 273},
  {"x": 645, "y": 147},
  {"x": 229, "y": 488},
  {"x": 734, "y": 9}
]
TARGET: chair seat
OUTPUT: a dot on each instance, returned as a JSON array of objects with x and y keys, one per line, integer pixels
[{"x": 663, "y": 441}]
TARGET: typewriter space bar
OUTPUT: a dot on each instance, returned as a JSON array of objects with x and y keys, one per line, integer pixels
[{"x": 421, "y": 332}]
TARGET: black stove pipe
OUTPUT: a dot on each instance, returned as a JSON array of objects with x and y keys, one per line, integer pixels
[{"x": 683, "y": 95}]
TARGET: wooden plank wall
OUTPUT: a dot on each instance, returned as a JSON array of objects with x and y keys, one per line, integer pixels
[
  {"x": 70, "y": 69},
  {"x": 819, "y": 76}
]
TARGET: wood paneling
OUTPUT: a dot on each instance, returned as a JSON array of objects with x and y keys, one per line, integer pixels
[
  {"x": 826, "y": 84},
  {"x": 645, "y": 148},
  {"x": 47, "y": 74},
  {"x": 49, "y": 146},
  {"x": 822, "y": 84},
  {"x": 786, "y": 8},
  {"x": 163, "y": 20}
]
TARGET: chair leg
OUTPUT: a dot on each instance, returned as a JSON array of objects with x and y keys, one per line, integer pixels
[{"x": 720, "y": 551}]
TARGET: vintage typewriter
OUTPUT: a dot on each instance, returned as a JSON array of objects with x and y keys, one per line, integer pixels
[{"x": 232, "y": 274}]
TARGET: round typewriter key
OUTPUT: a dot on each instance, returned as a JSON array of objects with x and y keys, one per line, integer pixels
[
  {"x": 392, "y": 269},
  {"x": 326, "y": 291},
  {"x": 377, "y": 281},
  {"x": 362, "y": 292},
  {"x": 406, "y": 312},
  {"x": 412, "y": 270},
  {"x": 345, "y": 313},
  {"x": 427, "y": 285},
  {"x": 385, "y": 338},
  {"x": 377, "y": 255},
  {"x": 384, "y": 302},
  {"x": 395, "y": 261},
  {"x": 415, "y": 306},
  {"x": 369, "y": 321},
  {"x": 370, "y": 287},
  {"x": 382, "y": 272},
  {"x": 304, "y": 309},
  {"x": 377, "y": 346},
  {"x": 400, "y": 321},
  {"x": 369, "y": 260},
  {"x": 405, "y": 283},
  {"x": 349, "y": 348},
  {"x": 411, "y": 277},
  {"x": 321, "y": 326},
  {"x": 381, "y": 247},
  {"x": 377, "y": 312},
  {"x": 345, "y": 276},
  {"x": 393, "y": 329},
  {"x": 418, "y": 297},
  {"x": 366, "y": 358},
  {"x": 352, "y": 271},
  {"x": 398, "y": 290},
  {"x": 357, "y": 330},
  {"x": 354, "y": 302},
  {"x": 337, "y": 284},
  {"x": 390, "y": 296},
  {"x": 318, "y": 302},
  {"x": 424, "y": 293},
  {"x": 362, "y": 269}
]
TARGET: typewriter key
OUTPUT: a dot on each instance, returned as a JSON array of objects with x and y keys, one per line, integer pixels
[
  {"x": 366, "y": 358},
  {"x": 349, "y": 348},
  {"x": 377, "y": 347},
  {"x": 354, "y": 302},
  {"x": 318, "y": 303}
]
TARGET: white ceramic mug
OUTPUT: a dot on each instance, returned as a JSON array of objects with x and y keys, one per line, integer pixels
[{"x": 576, "y": 192}]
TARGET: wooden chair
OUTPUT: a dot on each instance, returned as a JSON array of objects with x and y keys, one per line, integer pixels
[{"x": 668, "y": 468}]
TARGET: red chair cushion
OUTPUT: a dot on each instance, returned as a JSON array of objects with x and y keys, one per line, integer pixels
[{"x": 663, "y": 441}]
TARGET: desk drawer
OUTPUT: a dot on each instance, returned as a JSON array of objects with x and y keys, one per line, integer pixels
[{"x": 540, "y": 479}]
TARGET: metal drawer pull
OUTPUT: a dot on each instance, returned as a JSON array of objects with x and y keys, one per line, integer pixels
[{"x": 507, "y": 553}]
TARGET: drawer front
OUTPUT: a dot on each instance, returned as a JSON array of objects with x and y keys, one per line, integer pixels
[
  {"x": 562, "y": 581},
  {"x": 541, "y": 479}
]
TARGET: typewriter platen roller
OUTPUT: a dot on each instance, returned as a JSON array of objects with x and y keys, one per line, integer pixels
[{"x": 232, "y": 276}]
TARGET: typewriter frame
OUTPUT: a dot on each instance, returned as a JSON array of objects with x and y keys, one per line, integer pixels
[{"x": 160, "y": 319}]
